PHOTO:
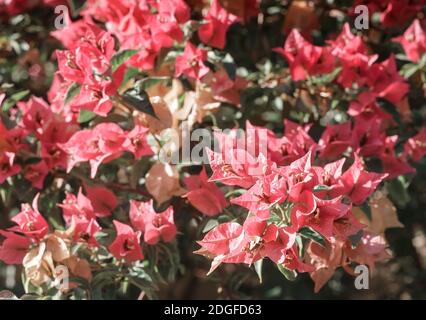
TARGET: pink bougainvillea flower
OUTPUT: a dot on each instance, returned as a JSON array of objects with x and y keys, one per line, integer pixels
[
  {"x": 103, "y": 200},
  {"x": 415, "y": 147},
  {"x": 264, "y": 144},
  {"x": 397, "y": 12},
  {"x": 232, "y": 243},
  {"x": 322, "y": 218},
  {"x": 234, "y": 169},
  {"x": 56, "y": 96},
  {"x": 347, "y": 44},
  {"x": 30, "y": 222},
  {"x": 16, "y": 6},
  {"x": 37, "y": 115},
  {"x": 136, "y": 213},
  {"x": 88, "y": 64},
  {"x": 299, "y": 176},
  {"x": 105, "y": 10},
  {"x": 155, "y": 226},
  {"x": 358, "y": 183},
  {"x": 394, "y": 165},
  {"x": 304, "y": 58},
  {"x": 164, "y": 29},
  {"x": 266, "y": 192},
  {"x": 84, "y": 230},
  {"x": 305, "y": 204},
  {"x": 371, "y": 248},
  {"x": 14, "y": 247},
  {"x": 355, "y": 69},
  {"x": 413, "y": 41},
  {"x": 190, "y": 63},
  {"x": 217, "y": 21},
  {"x": 293, "y": 262},
  {"x": 53, "y": 155},
  {"x": 385, "y": 81},
  {"x": 335, "y": 140},
  {"x": 368, "y": 137},
  {"x": 222, "y": 239},
  {"x": 329, "y": 175},
  {"x": 126, "y": 244},
  {"x": 347, "y": 225},
  {"x": 227, "y": 90},
  {"x": 136, "y": 142},
  {"x": 353, "y": 56},
  {"x": 392, "y": 13},
  {"x": 176, "y": 8},
  {"x": 325, "y": 260},
  {"x": 223, "y": 243},
  {"x": 259, "y": 236},
  {"x": 365, "y": 105},
  {"x": 134, "y": 32},
  {"x": 68, "y": 68},
  {"x": 7, "y": 166},
  {"x": 74, "y": 31},
  {"x": 2, "y": 97},
  {"x": 89, "y": 59},
  {"x": 93, "y": 98},
  {"x": 36, "y": 173},
  {"x": 295, "y": 143},
  {"x": 78, "y": 206},
  {"x": 97, "y": 97},
  {"x": 204, "y": 195},
  {"x": 277, "y": 249},
  {"x": 98, "y": 145}
]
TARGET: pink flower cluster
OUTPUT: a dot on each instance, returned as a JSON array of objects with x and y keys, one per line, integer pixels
[
  {"x": 80, "y": 214},
  {"x": 103, "y": 143},
  {"x": 284, "y": 197}
]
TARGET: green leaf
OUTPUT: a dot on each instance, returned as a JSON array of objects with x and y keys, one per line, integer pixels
[
  {"x": 152, "y": 81},
  {"x": 103, "y": 278},
  {"x": 13, "y": 99},
  {"x": 290, "y": 275},
  {"x": 409, "y": 69},
  {"x": 402, "y": 57},
  {"x": 76, "y": 6},
  {"x": 327, "y": 78},
  {"x": 83, "y": 283},
  {"x": 129, "y": 74},
  {"x": 321, "y": 187},
  {"x": 120, "y": 57},
  {"x": 139, "y": 100},
  {"x": 258, "y": 268},
  {"x": 300, "y": 246},
  {"x": 72, "y": 92},
  {"x": 85, "y": 116},
  {"x": 365, "y": 207},
  {"x": 210, "y": 225},
  {"x": 398, "y": 191},
  {"x": 311, "y": 234},
  {"x": 230, "y": 66}
]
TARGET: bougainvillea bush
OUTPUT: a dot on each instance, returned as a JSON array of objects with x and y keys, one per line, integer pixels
[{"x": 211, "y": 149}]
